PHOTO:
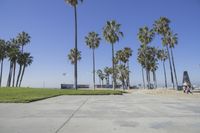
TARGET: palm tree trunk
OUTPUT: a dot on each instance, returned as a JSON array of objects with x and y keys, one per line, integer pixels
[
  {"x": 23, "y": 70},
  {"x": 174, "y": 68},
  {"x": 165, "y": 74},
  {"x": 143, "y": 77},
  {"x": 170, "y": 64},
  {"x": 154, "y": 79},
  {"x": 99, "y": 81},
  {"x": 113, "y": 66},
  {"x": 19, "y": 74},
  {"x": 1, "y": 73},
  {"x": 76, "y": 48},
  {"x": 107, "y": 80},
  {"x": 14, "y": 68},
  {"x": 149, "y": 79},
  {"x": 93, "y": 68},
  {"x": 123, "y": 84},
  {"x": 128, "y": 80},
  {"x": 10, "y": 74}
]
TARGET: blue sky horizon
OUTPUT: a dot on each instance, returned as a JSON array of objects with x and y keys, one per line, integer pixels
[{"x": 50, "y": 23}]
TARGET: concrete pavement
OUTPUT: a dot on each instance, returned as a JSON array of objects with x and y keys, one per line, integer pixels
[{"x": 128, "y": 113}]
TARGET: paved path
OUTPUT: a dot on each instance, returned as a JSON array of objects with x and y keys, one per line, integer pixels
[{"x": 130, "y": 113}]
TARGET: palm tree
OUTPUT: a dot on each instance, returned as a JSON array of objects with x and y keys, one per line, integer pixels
[
  {"x": 128, "y": 53},
  {"x": 23, "y": 39},
  {"x": 122, "y": 74},
  {"x": 123, "y": 57},
  {"x": 20, "y": 61},
  {"x": 13, "y": 52},
  {"x": 145, "y": 36},
  {"x": 3, "y": 50},
  {"x": 153, "y": 63},
  {"x": 107, "y": 72},
  {"x": 74, "y": 4},
  {"x": 163, "y": 56},
  {"x": 120, "y": 57},
  {"x": 173, "y": 41},
  {"x": 14, "y": 58},
  {"x": 27, "y": 61},
  {"x": 72, "y": 56},
  {"x": 93, "y": 41},
  {"x": 112, "y": 33},
  {"x": 161, "y": 27},
  {"x": 166, "y": 40},
  {"x": 141, "y": 60},
  {"x": 101, "y": 76}
]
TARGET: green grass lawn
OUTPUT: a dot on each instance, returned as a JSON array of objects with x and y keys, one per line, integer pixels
[{"x": 26, "y": 95}]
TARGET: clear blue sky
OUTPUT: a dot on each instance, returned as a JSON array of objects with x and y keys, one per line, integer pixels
[{"x": 50, "y": 23}]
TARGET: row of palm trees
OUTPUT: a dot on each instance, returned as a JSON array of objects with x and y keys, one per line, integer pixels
[
  {"x": 111, "y": 34},
  {"x": 148, "y": 56},
  {"x": 13, "y": 50}
]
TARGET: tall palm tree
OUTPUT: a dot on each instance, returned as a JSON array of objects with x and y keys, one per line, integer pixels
[
  {"x": 173, "y": 41},
  {"x": 93, "y": 41},
  {"x": 112, "y": 33},
  {"x": 163, "y": 56},
  {"x": 128, "y": 53},
  {"x": 166, "y": 40},
  {"x": 13, "y": 51},
  {"x": 153, "y": 64},
  {"x": 3, "y": 52},
  {"x": 123, "y": 57},
  {"x": 161, "y": 27},
  {"x": 27, "y": 61},
  {"x": 145, "y": 36},
  {"x": 141, "y": 60},
  {"x": 20, "y": 60},
  {"x": 14, "y": 58},
  {"x": 23, "y": 39},
  {"x": 74, "y": 4}
]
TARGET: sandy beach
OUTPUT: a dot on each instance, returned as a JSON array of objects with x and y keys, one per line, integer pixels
[{"x": 170, "y": 93}]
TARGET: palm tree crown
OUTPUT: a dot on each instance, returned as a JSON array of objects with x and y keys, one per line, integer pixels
[
  {"x": 162, "y": 55},
  {"x": 111, "y": 32},
  {"x": 92, "y": 40},
  {"x": 161, "y": 26},
  {"x": 170, "y": 39},
  {"x": 23, "y": 39},
  {"x": 71, "y": 55},
  {"x": 145, "y": 35},
  {"x": 73, "y": 2},
  {"x": 3, "y": 48}
]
